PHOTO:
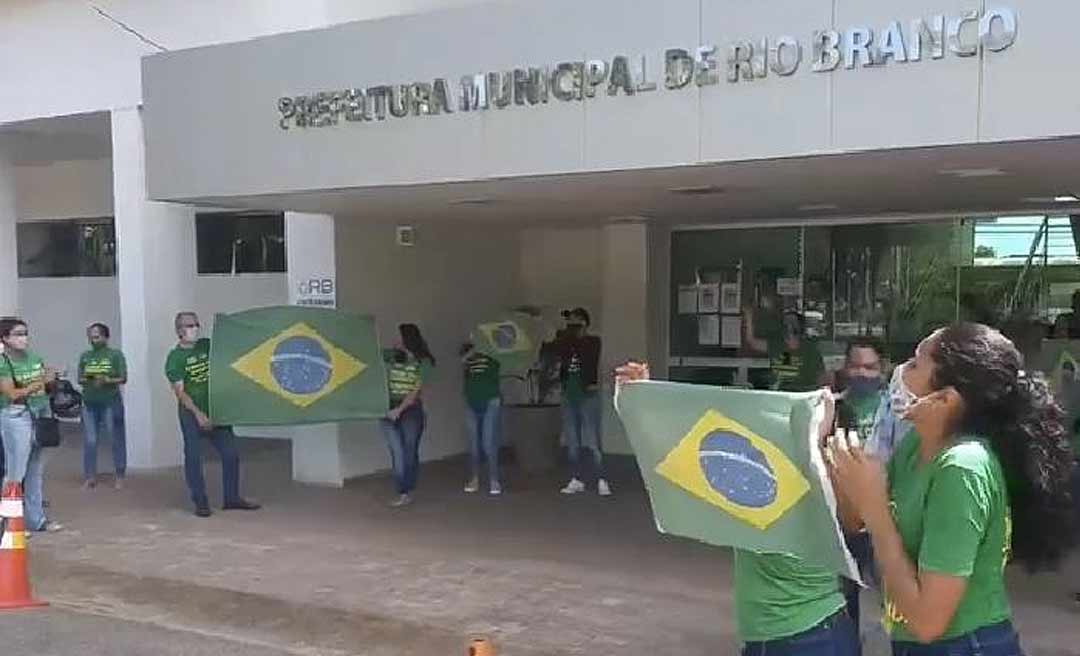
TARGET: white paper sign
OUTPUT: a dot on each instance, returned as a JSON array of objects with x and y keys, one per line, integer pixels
[
  {"x": 688, "y": 299},
  {"x": 731, "y": 332},
  {"x": 788, "y": 287},
  {"x": 708, "y": 298},
  {"x": 709, "y": 330},
  {"x": 730, "y": 298}
]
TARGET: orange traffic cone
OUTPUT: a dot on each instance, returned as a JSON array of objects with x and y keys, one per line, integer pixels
[
  {"x": 481, "y": 647},
  {"x": 14, "y": 560}
]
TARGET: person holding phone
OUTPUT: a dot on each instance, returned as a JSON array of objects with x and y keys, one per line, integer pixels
[{"x": 23, "y": 397}]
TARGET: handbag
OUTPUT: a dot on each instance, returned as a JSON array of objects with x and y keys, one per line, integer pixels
[{"x": 46, "y": 428}]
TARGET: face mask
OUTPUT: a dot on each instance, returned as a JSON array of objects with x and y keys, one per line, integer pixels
[
  {"x": 191, "y": 334},
  {"x": 900, "y": 396},
  {"x": 861, "y": 386}
]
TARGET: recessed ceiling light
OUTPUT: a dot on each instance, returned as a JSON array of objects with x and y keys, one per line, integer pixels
[
  {"x": 1068, "y": 198},
  {"x": 1038, "y": 200},
  {"x": 701, "y": 190},
  {"x": 820, "y": 207},
  {"x": 473, "y": 201},
  {"x": 973, "y": 173}
]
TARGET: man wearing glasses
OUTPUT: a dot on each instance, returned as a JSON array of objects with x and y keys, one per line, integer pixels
[{"x": 188, "y": 370}]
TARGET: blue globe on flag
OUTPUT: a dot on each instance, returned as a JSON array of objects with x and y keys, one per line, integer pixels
[
  {"x": 505, "y": 337},
  {"x": 737, "y": 470},
  {"x": 300, "y": 365}
]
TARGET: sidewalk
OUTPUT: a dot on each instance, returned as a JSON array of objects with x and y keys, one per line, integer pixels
[{"x": 323, "y": 571}]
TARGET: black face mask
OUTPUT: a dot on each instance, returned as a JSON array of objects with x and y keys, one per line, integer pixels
[{"x": 860, "y": 386}]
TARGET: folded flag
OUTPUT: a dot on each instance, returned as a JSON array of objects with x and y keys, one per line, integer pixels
[
  {"x": 511, "y": 341},
  {"x": 736, "y": 468},
  {"x": 295, "y": 365}
]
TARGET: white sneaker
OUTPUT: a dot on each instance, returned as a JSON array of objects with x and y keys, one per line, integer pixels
[
  {"x": 573, "y": 487},
  {"x": 495, "y": 490},
  {"x": 472, "y": 486},
  {"x": 402, "y": 501},
  {"x": 602, "y": 488}
]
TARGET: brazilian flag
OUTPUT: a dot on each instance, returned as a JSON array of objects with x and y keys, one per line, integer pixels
[
  {"x": 295, "y": 365},
  {"x": 511, "y": 341},
  {"x": 736, "y": 468}
]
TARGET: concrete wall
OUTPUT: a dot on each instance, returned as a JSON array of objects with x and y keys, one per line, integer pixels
[
  {"x": 103, "y": 71},
  {"x": 59, "y": 308},
  {"x": 1015, "y": 94},
  {"x": 449, "y": 281}
]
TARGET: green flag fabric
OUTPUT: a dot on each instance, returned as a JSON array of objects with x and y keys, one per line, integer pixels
[
  {"x": 736, "y": 468},
  {"x": 295, "y": 365},
  {"x": 512, "y": 340}
]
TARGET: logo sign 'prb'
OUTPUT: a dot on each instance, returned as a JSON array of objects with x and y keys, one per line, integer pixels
[
  {"x": 299, "y": 365},
  {"x": 729, "y": 466}
]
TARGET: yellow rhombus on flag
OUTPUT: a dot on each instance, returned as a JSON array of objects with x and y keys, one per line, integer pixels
[
  {"x": 714, "y": 449},
  {"x": 259, "y": 363}
]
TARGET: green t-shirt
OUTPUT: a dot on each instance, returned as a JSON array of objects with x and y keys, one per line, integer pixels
[
  {"x": 106, "y": 362},
  {"x": 406, "y": 377},
  {"x": 778, "y": 595},
  {"x": 27, "y": 371},
  {"x": 862, "y": 411},
  {"x": 191, "y": 366},
  {"x": 796, "y": 371},
  {"x": 481, "y": 378},
  {"x": 953, "y": 517}
]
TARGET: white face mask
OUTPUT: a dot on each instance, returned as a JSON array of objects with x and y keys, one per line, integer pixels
[
  {"x": 900, "y": 396},
  {"x": 190, "y": 335}
]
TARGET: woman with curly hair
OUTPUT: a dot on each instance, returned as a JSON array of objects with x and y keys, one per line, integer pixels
[{"x": 983, "y": 475}]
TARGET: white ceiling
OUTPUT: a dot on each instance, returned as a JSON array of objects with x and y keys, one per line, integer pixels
[
  {"x": 979, "y": 179},
  {"x": 56, "y": 139}
]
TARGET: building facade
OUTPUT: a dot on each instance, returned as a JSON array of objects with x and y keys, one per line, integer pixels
[{"x": 665, "y": 164}]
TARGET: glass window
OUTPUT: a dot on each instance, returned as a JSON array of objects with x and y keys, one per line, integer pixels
[
  {"x": 66, "y": 248},
  {"x": 240, "y": 242},
  {"x": 894, "y": 281}
]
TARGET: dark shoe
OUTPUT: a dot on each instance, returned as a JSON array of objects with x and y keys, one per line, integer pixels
[
  {"x": 241, "y": 504},
  {"x": 203, "y": 511}
]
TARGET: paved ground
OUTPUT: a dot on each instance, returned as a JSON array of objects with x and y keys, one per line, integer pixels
[
  {"x": 58, "y": 632},
  {"x": 334, "y": 572}
]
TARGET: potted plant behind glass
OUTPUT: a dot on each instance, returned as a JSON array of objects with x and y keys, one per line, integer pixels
[{"x": 532, "y": 421}]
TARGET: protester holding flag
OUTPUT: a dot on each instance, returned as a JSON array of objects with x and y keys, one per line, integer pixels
[
  {"x": 988, "y": 453},
  {"x": 408, "y": 365},
  {"x": 579, "y": 367},
  {"x": 187, "y": 369},
  {"x": 784, "y": 604},
  {"x": 482, "y": 414}
]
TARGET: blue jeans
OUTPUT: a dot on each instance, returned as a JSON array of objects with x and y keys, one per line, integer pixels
[
  {"x": 482, "y": 422},
  {"x": 24, "y": 462},
  {"x": 225, "y": 442},
  {"x": 862, "y": 551},
  {"x": 403, "y": 440},
  {"x": 581, "y": 425},
  {"x": 835, "y": 636},
  {"x": 996, "y": 640},
  {"x": 111, "y": 416}
]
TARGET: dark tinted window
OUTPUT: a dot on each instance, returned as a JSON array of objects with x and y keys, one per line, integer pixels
[
  {"x": 66, "y": 248},
  {"x": 240, "y": 242}
]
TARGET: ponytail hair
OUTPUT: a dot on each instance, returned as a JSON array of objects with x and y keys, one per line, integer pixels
[{"x": 1016, "y": 411}]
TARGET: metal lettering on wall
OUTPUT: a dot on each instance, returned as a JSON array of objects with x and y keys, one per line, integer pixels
[{"x": 743, "y": 61}]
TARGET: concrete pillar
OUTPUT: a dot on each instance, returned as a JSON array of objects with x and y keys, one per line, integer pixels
[
  {"x": 9, "y": 262},
  {"x": 156, "y": 271},
  {"x": 309, "y": 243},
  {"x": 625, "y": 310}
]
